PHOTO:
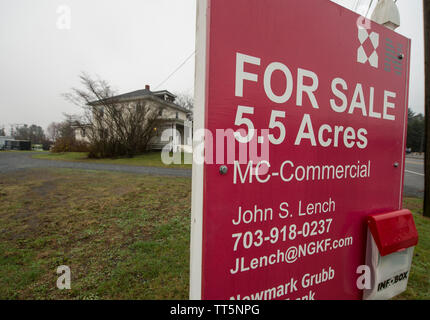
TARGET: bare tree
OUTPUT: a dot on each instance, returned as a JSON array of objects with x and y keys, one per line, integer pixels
[
  {"x": 185, "y": 100},
  {"x": 113, "y": 127},
  {"x": 53, "y": 131},
  {"x": 61, "y": 130}
]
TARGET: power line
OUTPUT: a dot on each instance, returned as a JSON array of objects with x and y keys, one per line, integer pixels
[{"x": 176, "y": 70}]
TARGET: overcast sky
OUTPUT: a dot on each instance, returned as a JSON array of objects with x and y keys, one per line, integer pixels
[{"x": 130, "y": 43}]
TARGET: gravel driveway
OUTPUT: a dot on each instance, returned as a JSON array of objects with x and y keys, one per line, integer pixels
[{"x": 13, "y": 161}]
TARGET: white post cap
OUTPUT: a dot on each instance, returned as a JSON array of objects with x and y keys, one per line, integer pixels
[{"x": 387, "y": 14}]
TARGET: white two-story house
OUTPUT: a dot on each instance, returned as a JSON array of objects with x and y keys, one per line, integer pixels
[{"x": 173, "y": 120}]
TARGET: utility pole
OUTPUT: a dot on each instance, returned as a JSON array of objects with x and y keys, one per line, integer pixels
[{"x": 426, "y": 7}]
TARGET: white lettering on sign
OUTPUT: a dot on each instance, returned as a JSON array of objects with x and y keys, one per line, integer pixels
[
  {"x": 388, "y": 105},
  {"x": 241, "y": 75},
  {"x": 308, "y": 89},
  {"x": 289, "y": 172},
  {"x": 362, "y": 103},
  {"x": 277, "y": 66}
]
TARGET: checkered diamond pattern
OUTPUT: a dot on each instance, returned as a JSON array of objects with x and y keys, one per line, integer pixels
[{"x": 362, "y": 55}]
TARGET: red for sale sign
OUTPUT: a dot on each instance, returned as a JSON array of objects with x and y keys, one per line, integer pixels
[{"x": 302, "y": 110}]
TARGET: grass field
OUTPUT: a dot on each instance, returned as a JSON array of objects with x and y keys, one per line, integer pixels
[
  {"x": 151, "y": 159},
  {"x": 419, "y": 281},
  {"x": 123, "y": 236}
]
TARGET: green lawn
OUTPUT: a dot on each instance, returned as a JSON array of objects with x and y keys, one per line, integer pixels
[
  {"x": 124, "y": 236},
  {"x": 150, "y": 159},
  {"x": 419, "y": 281}
]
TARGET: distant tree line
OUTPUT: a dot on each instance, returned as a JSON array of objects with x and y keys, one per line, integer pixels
[
  {"x": 57, "y": 134},
  {"x": 33, "y": 133},
  {"x": 416, "y": 128}
]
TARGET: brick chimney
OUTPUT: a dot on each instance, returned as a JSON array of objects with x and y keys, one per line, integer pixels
[{"x": 148, "y": 87}]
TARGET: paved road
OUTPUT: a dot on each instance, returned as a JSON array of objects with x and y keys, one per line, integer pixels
[
  {"x": 414, "y": 178},
  {"x": 13, "y": 161}
]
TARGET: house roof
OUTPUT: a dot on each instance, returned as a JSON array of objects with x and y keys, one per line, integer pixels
[
  {"x": 146, "y": 94},
  {"x": 142, "y": 93}
]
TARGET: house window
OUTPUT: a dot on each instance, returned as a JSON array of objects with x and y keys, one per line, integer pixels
[
  {"x": 139, "y": 107},
  {"x": 160, "y": 112},
  {"x": 177, "y": 115}
]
